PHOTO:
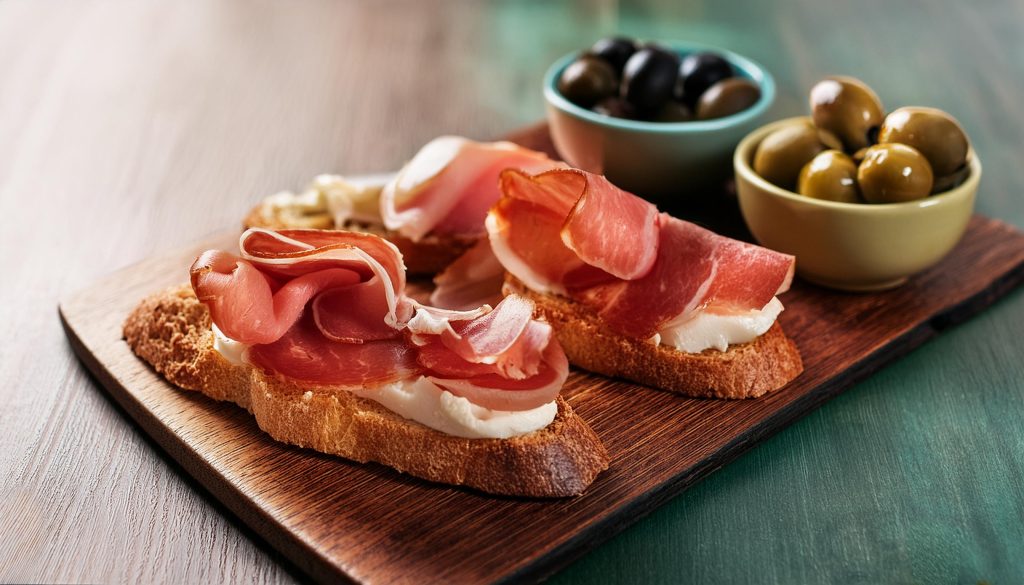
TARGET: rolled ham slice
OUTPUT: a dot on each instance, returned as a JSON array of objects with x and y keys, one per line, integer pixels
[
  {"x": 474, "y": 279},
  {"x": 503, "y": 360},
  {"x": 329, "y": 308},
  {"x": 570, "y": 232},
  {"x": 449, "y": 185}
]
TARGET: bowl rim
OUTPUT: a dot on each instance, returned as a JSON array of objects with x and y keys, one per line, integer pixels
[
  {"x": 742, "y": 165},
  {"x": 751, "y": 69}
]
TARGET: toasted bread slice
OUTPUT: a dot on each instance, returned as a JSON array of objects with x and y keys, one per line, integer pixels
[
  {"x": 744, "y": 370},
  {"x": 172, "y": 331},
  {"x": 425, "y": 257}
]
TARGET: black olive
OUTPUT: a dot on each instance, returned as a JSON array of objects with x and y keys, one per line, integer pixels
[
  {"x": 587, "y": 80},
  {"x": 697, "y": 73},
  {"x": 615, "y": 50},
  {"x": 727, "y": 97},
  {"x": 674, "y": 111},
  {"x": 615, "y": 107},
  {"x": 648, "y": 78}
]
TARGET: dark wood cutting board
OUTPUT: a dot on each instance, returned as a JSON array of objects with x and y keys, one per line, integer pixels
[{"x": 337, "y": 519}]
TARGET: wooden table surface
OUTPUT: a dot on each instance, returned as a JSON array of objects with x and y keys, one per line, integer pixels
[{"x": 129, "y": 128}]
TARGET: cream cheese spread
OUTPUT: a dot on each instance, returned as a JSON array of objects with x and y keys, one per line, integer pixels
[
  {"x": 228, "y": 348},
  {"x": 423, "y": 401},
  {"x": 705, "y": 329}
]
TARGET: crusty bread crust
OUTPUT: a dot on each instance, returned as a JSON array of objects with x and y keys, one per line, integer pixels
[
  {"x": 426, "y": 257},
  {"x": 171, "y": 331},
  {"x": 745, "y": 370}
]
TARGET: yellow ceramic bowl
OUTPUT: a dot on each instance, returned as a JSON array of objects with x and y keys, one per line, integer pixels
[{"x": 851, "y": 246}]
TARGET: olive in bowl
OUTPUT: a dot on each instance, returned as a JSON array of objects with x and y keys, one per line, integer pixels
[
  {"x": 844, "y": 245},
  {"x": 655, "y": 82},
  {"x": 909, "y": 154},
  {"x": 668, "y": 156},
  {"x": 848, "y": 108}
]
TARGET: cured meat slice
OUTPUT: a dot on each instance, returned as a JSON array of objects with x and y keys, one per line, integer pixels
[
  {"x": 507, "y": 339},
  {"x": 622, "y": 218},
  {"x": 304, "y": 355},
  {"x": 504, "y": 349},
  {"x": 328, "y": 308},
  {"x": 733, "y": 291},
  {"x": 355, "y": 313},
  {"x": 525, "y": 227},
  {"x": 257, "y": 297},
  {"x": 675, "y": 285},
  {"x": 289, "y": 253},
  {"x": 450, "y": 184},
  {"x": 499, "y": 393},
  {"x": 473, "y": 280},
  {"x": 601, "y": 230},
  {"x": 572, "y": 233},
  {"x": 242, "y": 301}
]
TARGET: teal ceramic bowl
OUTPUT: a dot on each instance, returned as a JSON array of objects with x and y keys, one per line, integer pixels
[{"x": 662, "y": 161}]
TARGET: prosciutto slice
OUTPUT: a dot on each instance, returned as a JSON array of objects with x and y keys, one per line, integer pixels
[
  {"x": 474, "y": 279},
  {"x": 501, "y": 358},
  {"x": 256, "y": 297},
  {"x": 329, "y": 308},
  {"x": 573, "y": 233},
  {"x": 303, "y": 354},
  {"x": 450, "y": 184}
]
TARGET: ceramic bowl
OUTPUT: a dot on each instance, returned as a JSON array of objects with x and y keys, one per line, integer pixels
[
  {"x": 851, "y": 246},
  {"x": 662, "y": 161}
]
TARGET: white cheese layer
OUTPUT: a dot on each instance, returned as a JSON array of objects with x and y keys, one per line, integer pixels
[
  {"x": 228, "y": 348},
  {"x": 705, "y": 330},
  {"x": 424, "y": 402}
]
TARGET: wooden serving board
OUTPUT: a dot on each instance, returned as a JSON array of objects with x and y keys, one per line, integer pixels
[{"x": 337, "y": 519}]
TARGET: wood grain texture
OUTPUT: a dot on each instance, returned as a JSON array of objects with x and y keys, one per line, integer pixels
[
  {"x": 128, "y": 128},
  {"x": 337, "y": 519}
]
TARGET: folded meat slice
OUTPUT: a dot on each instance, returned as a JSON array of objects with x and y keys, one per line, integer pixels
[
  {"x": 449, "y": 185},
  {"x": 572, "y": 233},
  {"x": 303, "y": 354},
  {"x": 497, "y": 392},
  {"x": 289, "y": 253},
  {"x": 618, "y": 216},
  {"x": 329, "y": 308},
  {"x": 474, "y": 279},
  {"x": 502, "y": 359},
  {"x": 256, "y": 297}
]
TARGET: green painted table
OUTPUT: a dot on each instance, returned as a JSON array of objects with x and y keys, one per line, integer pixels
[
  {"x": 128, "y": 128},
  {"x": 917, "y": 474}
]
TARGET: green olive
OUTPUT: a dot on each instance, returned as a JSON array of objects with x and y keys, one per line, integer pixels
[
  {"x": 848, "y": 108},
  {"x": 858, "y": 157},
  {"x": 587, "y": 80},
  {"x": 893, "y": 173},
  {"x": 727, "y": 97},
  {"x": 935, "y": 133},
  {"x": 832, "y": 175},
  {"x": 952, "y": 180},
  {"x": 782, "y": 154}
]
